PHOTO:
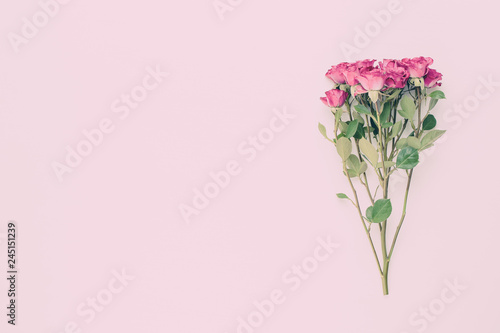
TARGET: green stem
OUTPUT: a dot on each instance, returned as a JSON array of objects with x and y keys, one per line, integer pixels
[
  {"x": 385, "y": 278},
  {"x": 403, "y": 213},
  {"x": 363, "y": 220},
  {"x": 383, "y": 229},
  {"x": 417, "y": 130},
  {"x": 383, "y": 241},
  {"x": 368, "y": 126},
  {"x": 367, "y": 231}
]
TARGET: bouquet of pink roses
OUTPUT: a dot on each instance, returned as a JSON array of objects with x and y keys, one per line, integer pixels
[{"x": 382, "y": 121}]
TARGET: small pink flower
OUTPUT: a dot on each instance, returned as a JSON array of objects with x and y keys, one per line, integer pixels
[
  {"x": 419, "y": 66},
  {"x": 336, "y": 73},
  {"x": 372, "y": 79},
  {"x": 432, "y": 78},
  {"x": 334, "y": 98}
]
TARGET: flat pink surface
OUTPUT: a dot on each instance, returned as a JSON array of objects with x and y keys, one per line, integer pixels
[{"x": 231, "y": 268}]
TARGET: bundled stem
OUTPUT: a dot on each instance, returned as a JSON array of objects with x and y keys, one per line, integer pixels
[{"x": 383, "y": 130}]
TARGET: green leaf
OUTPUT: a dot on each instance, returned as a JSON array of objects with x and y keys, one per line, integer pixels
[
  {"x": 342, "y": 196},
  {"x": 343, "y": 126},
  {"x": 387, "y": 164},
  {"x": 405, "y": 115},
  {"x": 362, "y": 109},
  {"x": 344, "y": 148},
  {"x": 355, "y": 165},
  {"x": 437, "y": 94},
  {"x": 352, "y": 173},
  {"x": 429, "y": 123},
  {"x": 386, "y": 111},
  {"x": 413, "y": 142},
  {"x": 394, "y": 94},
  {"x": 363, "y": 167},
  {"x": 338, "y": 114},
  {"x": 433, "y": 103},
  {"x": 407, "y": 158},
  {"x": 369, "y": 150},
  {"x": 408, "y": 107},
  {"x": 395, "y": 129},
  {"x": 353, "y": 162},
  {"x": 426, "y": 147},
  {"x": 387, "y": 125},
  {"x": 401, "y": 143},
  {"x": 351, "y": 129},
  {"x": 322, "y": 130},
  {"x": 374, "y": 126},
  {"x": 430, "y": 137},
  {"x": 369, "y": 213},
  {"x": 358, "y": 117},
  {"x": 381, "y": 211},
  {"x": 360, "y": 132}
]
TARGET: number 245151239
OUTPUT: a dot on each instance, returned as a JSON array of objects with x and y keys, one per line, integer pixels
[{"x": 11, "y": 245}]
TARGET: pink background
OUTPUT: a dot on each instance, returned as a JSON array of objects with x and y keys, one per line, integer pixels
[{"x": 119, "y": 209}]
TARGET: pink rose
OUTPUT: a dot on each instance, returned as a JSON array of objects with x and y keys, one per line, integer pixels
[
  {"x": 432, "y": 78},
  {"x": 365, "y": 64},
  {"x": 397, "y": 73},
  {"x": 392, "y": 65},
  {"x": 334, "y": 98},
  {"x": 336, "y": 73},
  {"x": 371, "y": 79},
  {"x": 419, "y": 66},
  {"x": 350, "y": 74},
  {"x": 397, "y": 78}
]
